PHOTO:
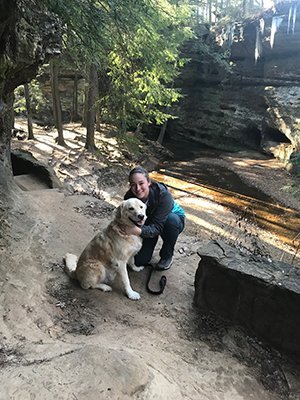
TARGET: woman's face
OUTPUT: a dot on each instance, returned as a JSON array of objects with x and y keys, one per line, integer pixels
[{"x": 139, "y": 186}]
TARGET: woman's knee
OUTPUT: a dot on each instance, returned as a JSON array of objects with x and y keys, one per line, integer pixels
[{"x": 174, "y": 221}]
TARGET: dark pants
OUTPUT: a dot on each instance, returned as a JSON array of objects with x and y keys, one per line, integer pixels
[{"x": 173, "y": 227}]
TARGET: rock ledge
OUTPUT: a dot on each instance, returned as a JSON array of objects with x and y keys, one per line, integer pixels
[{"x": 261, "y": 295}]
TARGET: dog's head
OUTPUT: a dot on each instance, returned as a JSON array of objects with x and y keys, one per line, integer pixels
[{"x": 131, "y": 211}]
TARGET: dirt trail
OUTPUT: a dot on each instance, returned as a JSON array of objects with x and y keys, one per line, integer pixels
[
  {"x": 61, "y": 342},
  {"x": 65, "y": 343}
]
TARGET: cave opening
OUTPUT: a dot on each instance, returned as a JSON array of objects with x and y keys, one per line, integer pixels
[
  {"x": 275, "y": 135},
  {"x": 252, "y": 137},
  {"x": 28, "y": 173}
]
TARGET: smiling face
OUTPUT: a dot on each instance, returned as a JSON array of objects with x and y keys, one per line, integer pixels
[{"x": 139, "y": 186}]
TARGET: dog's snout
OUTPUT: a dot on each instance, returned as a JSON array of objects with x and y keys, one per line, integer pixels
[{"x": 141, "y": 217}]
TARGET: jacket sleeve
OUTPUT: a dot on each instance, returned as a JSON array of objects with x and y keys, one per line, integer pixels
[{"x": 159, "y": 216}]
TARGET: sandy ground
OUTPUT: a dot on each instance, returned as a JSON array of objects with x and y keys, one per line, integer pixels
[{"x": 59, "y": 341}]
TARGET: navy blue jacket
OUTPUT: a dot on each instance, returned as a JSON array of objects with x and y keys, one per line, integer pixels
[{"x": 159, "y": 205}]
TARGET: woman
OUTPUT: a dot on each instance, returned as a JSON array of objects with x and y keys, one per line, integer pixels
[{"x": 165, "y": 218}]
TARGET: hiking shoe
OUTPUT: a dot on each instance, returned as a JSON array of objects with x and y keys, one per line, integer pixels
[{"x": 164, "y": 264}]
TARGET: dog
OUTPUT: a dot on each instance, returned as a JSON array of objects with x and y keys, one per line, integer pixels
[{"x": 109, "y": 252}]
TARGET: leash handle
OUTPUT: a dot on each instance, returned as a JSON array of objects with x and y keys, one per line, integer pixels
[{"x": 162, "y": 283}]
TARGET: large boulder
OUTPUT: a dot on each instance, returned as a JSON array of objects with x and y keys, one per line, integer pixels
[{"x": 255, "y": 292}]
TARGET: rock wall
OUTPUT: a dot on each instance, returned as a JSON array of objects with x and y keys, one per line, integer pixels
[
  {"x": 70, "y": 84},
  {"x": 29, "y": 35},
  {"x": 257, "y": 104}
]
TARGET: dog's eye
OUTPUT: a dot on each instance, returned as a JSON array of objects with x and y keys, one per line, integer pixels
[{"x": 131, "y": 208}]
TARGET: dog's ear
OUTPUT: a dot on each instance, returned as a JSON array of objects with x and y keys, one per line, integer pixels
[{"x": 118, "y": 211}]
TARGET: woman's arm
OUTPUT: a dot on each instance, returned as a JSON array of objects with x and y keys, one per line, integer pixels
[{"x": 157, "y": 219}]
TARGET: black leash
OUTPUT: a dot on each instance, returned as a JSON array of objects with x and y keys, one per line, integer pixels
[{"x": 162, "y": 283}]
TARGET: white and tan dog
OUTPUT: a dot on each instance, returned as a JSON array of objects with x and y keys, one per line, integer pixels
[{"x": 109, "y": 252}]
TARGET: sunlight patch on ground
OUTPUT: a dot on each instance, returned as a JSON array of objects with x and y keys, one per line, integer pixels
[
  {"x": 281, "y": 222},
  {"x": 74, "y": 136},
  {"x": 75, "y": 146},
  {"x": 225, "y": 226},
  {"x": 199, "y": 204},
  {"x": 45, "y": 139},
  {"x": 253, "y": 163},
  {"x": 69, "y": 135},
  {"x": 44, "y": 147},
  {"x": 233, "y": 234},
  {"x": 207, "y": 225}
]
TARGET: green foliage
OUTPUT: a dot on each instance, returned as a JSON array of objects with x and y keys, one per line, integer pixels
[
  {"x": 142, "y": 78},
  {"x": 137, "y": 48},
  {"x": 19, "y": 103},
  {"x": 136, "y": 44}
]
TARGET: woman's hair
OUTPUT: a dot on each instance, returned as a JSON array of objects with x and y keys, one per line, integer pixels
[{"x": 139, "y": 170}]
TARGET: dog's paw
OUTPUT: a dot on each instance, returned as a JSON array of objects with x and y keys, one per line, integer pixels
[
  {"x": 133, "y": 295},
  {"x": 103, "y": 287},
  {"x": 136, "y": 269}
]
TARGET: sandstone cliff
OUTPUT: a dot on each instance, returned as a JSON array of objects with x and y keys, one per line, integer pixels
[{"x": 257, "y": 104}]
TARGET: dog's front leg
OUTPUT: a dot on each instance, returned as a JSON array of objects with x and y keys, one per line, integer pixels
[{"x": 125, "y": 280}]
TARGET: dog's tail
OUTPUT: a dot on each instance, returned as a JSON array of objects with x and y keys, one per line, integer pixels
[{"x": 71, "y": 264}]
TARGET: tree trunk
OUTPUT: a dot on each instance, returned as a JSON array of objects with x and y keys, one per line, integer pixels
[
  {"x": 75, "y": 99},
  {"x": 91, "y": 109},
  {"x": 85, "y": 107},
  {"x": 139, "y": 128},
  {"x": 98, "y": 109},
  {"x": 162, "y": 132},
  {"x": 123, "y": 126},
  {"x": 98, "y": 120},
  {"x": 56, "y": 103},
  {"x": 28, "y": 109}
]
